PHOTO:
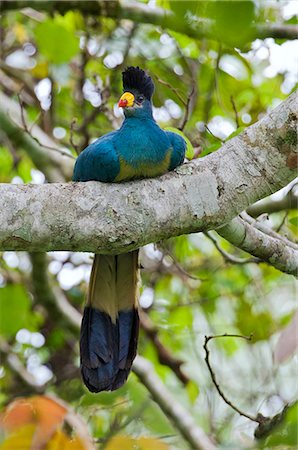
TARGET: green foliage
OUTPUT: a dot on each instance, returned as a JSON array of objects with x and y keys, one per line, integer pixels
[
  {"x": 233, "y": 20},
  {"x": 284, "y": 434},
  {"x": 56, "y": 40},
  {"x": 15, "y": 309}
]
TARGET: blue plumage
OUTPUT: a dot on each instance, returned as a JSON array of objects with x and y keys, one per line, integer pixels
[{"x": 139, "y": 149}]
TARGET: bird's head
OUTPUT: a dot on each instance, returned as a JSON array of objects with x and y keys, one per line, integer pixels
[{"x": 138, "y": 88}]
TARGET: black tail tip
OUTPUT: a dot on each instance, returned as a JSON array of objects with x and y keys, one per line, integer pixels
[{"x": 107, "y": 349}]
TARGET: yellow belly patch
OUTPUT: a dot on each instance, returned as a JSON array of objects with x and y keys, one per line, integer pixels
[{"x": 145, "y": 170}]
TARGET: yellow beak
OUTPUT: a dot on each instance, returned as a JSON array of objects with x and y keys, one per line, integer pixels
[{"x": 127, "y": 99}]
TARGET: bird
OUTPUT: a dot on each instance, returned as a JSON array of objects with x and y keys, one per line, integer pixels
[{"x": 138, "y": 149}]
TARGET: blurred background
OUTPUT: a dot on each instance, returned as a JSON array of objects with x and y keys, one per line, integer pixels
[{"x": 218, "y": 67}]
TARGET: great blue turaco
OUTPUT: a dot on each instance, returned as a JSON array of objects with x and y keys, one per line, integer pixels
[{"x": 139, "y": 149}]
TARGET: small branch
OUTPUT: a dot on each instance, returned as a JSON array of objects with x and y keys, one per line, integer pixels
[
  {"x": 227, "y": 256},
  {"x": 175, "y": 90},
  {"x": 259, "y": 225},
  {"x": 235, "y": 111},
  {"x": 215, "y": 137},
  {"x": 187, "y": 108},
  {"x": 181, "y": 419},
  {"x": 267, "y": 424},
  {"x": 269, "y": 206},
  {"x": 269, "y": 249},
  {"x": 282, "y": 222},
  {"x": 71, "y": 137},
  {"x": 212, "y": 374}
]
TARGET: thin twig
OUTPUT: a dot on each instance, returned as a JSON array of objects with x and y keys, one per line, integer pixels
[
  {"x": 175, "y": 90},
  {"x": 282, "y": 222},
  {"x": 209, "y": 131},
  {"x": 267, "y": 230},
  {"x": 227, "y": 256},
  {"x": 187, "y": 108},
  {"x": 212, "y": 374},
  {"x": 71, "y": 136},
  {"x": 235, "y": 111}
]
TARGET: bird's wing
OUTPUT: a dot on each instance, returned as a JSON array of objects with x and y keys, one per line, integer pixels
[
  {"x": 99, "y": 161},
  {"x": 178, "y": 149}
]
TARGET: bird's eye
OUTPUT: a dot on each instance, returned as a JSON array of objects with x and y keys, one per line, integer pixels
[{"x": 140, "y": 98}]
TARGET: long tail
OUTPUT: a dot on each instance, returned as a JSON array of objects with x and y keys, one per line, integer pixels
[{"x": 110, "y": 325}]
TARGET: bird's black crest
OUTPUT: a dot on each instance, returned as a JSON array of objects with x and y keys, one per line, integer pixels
[{"x": 135, "y": 78}]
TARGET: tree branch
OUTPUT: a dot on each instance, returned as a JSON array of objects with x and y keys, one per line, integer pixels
[
  {"x": 212, "y": 374},
  {"x": 140, "y": 13},
  {"x": 175, "y": 412},
  {"x": 272, "y": 250},
  {"x": 269, "y": 205},
  {"x": 227, "y": 256},
  {"x": 118, "y": 217}
]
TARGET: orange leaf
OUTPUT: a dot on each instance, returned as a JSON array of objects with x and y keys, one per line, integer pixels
[
  {"x": 16, "y": 414},
  {"x": 44, "y": 417},
  {"x": 49, "y": 415},
  {"x": 44, "y": 413}
]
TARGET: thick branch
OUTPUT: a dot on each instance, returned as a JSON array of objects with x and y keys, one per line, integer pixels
[
  {"x": 114, "y": 218},
  {"x": 269, "y": 249},
  {"x": 141, "y": 13}
]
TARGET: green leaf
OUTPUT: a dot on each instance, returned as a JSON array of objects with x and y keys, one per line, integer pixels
[
  {"x": 56, "y": 42},
  {"x": 24, "y": 168},
  {"x": 260, "y": 324},
  {"x": 15, "y": 310},
  {"x": 233, "y": 20},
  {"x": 284, "y": 434},
  {"x": 212, "y": 148},
  {"x": 294, "y": 221},
  {"x": 189, "y": 147},
  {"x": 180, "y": 8},
  {"x": 235, "y": 133},
  {"x": 193, "y": 391},
  {"x": 6, "y": 164}
]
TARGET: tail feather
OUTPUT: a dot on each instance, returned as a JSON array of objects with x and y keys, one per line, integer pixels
[{"x": 110, "y": 325}]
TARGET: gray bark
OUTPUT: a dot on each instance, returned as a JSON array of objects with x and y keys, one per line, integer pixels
[
  {"x": 115, "y": 218},
  {"x": 273, "y": 250}
]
